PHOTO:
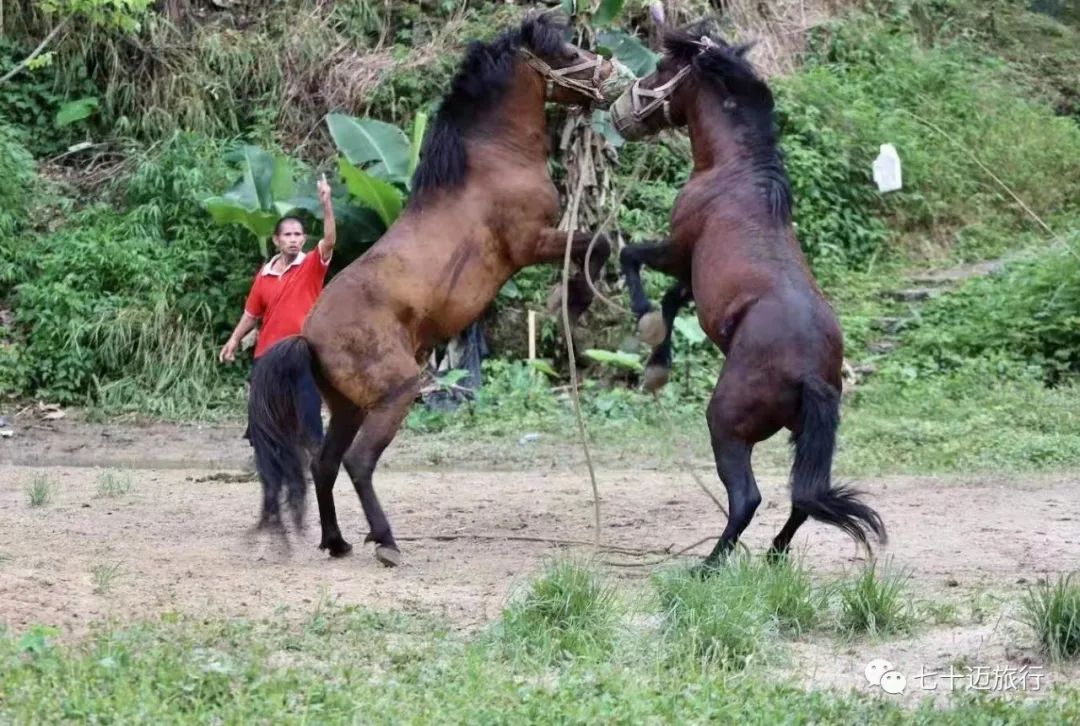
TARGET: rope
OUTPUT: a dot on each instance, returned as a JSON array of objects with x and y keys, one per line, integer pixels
[{"x": 574, "y": 204}]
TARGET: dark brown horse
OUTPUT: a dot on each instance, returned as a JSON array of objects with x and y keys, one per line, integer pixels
[
  {"x": 733, "y": 251},
  {"x": 482, "y": 208}
]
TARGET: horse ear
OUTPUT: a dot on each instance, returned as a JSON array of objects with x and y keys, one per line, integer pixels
[
  {"x": 656, "y": 12},
  {"x": 742, "y": 50}
]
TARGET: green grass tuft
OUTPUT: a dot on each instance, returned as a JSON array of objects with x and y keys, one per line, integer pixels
[
  {"x": 1053, "y": 612},
  {"x": 875, "y": 604},
  {"x": 39, "y": 490},
  {"x": 569, "y": 611}
]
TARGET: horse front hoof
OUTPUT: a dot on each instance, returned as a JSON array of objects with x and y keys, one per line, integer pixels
[
  {"x": 388, "y": 556},
  {"x": 706, "y": 568},
  {"x": 336, "y": 548},
  {"x": 651, "y": 328},
  {"x": 656, "y": 377}
]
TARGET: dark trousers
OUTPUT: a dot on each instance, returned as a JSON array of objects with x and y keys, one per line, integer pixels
[{"x": 310, "y": 406}]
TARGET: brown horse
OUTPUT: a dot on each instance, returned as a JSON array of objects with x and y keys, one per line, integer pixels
[
  {"x": 733, "y": 251},
  {"x": 482, "y": 208}
]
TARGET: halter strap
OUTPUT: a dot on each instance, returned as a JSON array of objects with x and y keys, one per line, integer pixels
[
  {"x": 661, "y": 95},
  {"x": 561, "y": 76}
]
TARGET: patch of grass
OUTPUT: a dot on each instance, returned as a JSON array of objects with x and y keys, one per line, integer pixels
[
  {"x": 987, "y": 415},
  {"x": 874, "y": 603},
  {"x": 721, "y": 620},
  {"x": 39, "y": 490},
  {"x": 348, "y": 664},
  {"x": 114, "y": 483},
  {"x": 568, "y": 611},
  {"x": 790, "y": 596},
  {"x": 104, "y": 575},
  {"x": 1052, "y": 610}
]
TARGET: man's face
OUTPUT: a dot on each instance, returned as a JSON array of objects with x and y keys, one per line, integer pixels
[{"x": 290, "y": 240}]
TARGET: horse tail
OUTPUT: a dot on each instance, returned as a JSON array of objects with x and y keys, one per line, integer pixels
[
  {"x": 276, "y": 426},
  {"x": 811, "y": 478}
]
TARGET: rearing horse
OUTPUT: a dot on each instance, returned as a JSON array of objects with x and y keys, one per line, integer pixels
[
  {"x": 482, "y": 208},
  {"x": 734, "y": 252}
]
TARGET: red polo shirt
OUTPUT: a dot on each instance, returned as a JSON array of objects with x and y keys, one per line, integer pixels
[{"x": 284, "y": 300}]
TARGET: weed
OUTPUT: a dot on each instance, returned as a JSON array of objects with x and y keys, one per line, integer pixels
[
  {"x": 874, "y": 604},
  {"x": 721, "y": 620},
  {"x": 39, "y": 490},
  {"x": 114, "y": 483},
  {"x": 567, "y": 611},
  {"x": 103, "y": 576},
  {"x": 1052, "y": 610}
]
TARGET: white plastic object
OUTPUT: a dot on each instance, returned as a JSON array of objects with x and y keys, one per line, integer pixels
[{"x": 887, "y": 169}]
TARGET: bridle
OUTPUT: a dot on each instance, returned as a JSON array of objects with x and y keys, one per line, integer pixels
[
  {"x": 561, "y": 76},
  {"x": 657, "y": 97},
  {"x": 644, "y": 101}
]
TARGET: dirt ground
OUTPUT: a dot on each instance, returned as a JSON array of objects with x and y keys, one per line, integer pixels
[{"x": 180, "y": 540}]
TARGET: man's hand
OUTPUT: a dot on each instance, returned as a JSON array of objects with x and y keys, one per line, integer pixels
[
  {"x": 326, "y": 244},
  {"x": 228, "y": 351},
  {"x": 324, "y": 191}
]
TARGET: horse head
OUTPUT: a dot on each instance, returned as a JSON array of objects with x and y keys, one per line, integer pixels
[
  {"x": 691, "y": 56},
  {"x": 572, "y": 75}
]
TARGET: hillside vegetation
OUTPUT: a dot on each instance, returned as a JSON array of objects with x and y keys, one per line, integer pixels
[{"x": 117, "y": 286}]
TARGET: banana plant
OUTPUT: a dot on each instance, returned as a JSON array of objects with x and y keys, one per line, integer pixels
[
  {"x": 265, "y": 193},
  {"x": 377, "y": 160}
]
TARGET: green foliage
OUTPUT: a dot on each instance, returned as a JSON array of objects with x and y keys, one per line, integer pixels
[
  {"x": 122, "y": 14},
  {"x": 39, "y": 490},
  {"x": 114, "y": 483},
  {"x": 367, "y": 141},
  {"x": 264, "y": 194},
  {"x": 870, "y": 81},
  {"x": 395, "y": 668},
  {"x": 16, "y": 191},
  {"x": 75, "y": 111},
  {"x": 35, "y": 100},
  {"x": 124, "y": 310},
  {"x": 721, "y": 620},
  {"x": 1029, "y": 313},
  {"x": 989, "y": 415}
]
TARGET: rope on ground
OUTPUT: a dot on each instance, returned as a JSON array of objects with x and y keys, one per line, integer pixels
[
  {"x": 617, "y": 549},
  {"x": 575, "y": 201},
  {"x": 666, "y": 558}
]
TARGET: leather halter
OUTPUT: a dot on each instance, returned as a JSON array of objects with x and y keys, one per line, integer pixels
[
  {"x": 561, "y": 76},
  {"x": 661, "y": 95}
]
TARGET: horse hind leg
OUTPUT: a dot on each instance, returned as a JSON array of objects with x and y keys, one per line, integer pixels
[
  {"x": 727, "y": 419},
  {"x": 345, "y": 420},
  {"x": 377, "y": 431}
]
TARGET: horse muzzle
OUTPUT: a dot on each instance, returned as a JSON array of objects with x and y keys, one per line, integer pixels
[
  {"x": 616, "y": 84},
  {"x": 625, "y": 118}
]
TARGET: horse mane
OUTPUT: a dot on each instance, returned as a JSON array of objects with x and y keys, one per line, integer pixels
[
  {"x": 725, "y": 71},
  {"x": 480, "y": 84}
]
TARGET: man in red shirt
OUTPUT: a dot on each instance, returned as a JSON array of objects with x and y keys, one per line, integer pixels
[{"x": 282, "y": 294}]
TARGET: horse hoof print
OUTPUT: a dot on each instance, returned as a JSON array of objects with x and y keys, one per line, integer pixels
[{"x": 389, "y": 556}]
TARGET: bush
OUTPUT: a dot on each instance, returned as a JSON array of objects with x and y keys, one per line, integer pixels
[
  {"x": 869, "y": 81},
  {"x": 1029, "y": 313},
  {"x": 126, "y": 309},
  {"x": 16, "y": 180}
]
